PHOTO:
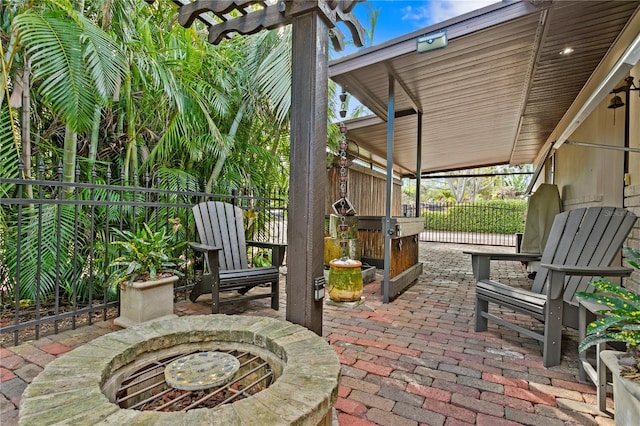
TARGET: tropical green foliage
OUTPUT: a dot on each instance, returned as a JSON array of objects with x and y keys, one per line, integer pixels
[
  {"x": 485, "y": 183},
  {"x": 98, "y": 86},
  {"x": 9, "y": 148},
  {"x": 121, "y": 84},
  {"x": 43, "y": 261},
  {"x": 75, "y": 64},
  {"x": 146, "y": 254},
  {"x": 621, "y": 321},
  {"x": 114, "y": 91},
  {"x": 261, "y": 259}
]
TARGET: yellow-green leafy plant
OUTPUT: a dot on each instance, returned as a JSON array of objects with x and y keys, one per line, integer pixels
[
  {"x": 620, "y": 321},
  {"x": 145, "y": 255}
]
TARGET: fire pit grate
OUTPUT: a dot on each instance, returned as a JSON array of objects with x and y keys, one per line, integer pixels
[{"x": 147, "y": 390}]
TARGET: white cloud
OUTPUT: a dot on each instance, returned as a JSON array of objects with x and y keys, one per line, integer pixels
[
  {"x": 434, "y": 11},
  {"x": 411, "y": 13}
]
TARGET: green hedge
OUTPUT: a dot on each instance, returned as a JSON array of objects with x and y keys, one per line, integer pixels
[{"x": 495, "y": 216}]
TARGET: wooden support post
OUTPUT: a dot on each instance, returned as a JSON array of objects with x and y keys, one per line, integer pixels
[
  {"x": 311, "y": 21},
  {"x": 418, "y": 163},
  {"x": 307, "y": 189},
  {"x": 388, "y": 232}
]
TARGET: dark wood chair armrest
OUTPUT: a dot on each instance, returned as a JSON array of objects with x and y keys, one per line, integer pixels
[
  {"x": 277, "y": 251},
  {"x": 203, "y": 248},
  {"x": 555, "y": 289},
  {"x": 211, "y": 256}
]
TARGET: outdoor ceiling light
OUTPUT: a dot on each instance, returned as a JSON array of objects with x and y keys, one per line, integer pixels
[
  {"x": 566, "y": 51},
  {"x": 433, "y": 41}
]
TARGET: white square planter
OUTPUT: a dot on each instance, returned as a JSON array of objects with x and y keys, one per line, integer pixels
[
  {"x": 626, "y": 393},
  {"x": 145, "y": 301}
]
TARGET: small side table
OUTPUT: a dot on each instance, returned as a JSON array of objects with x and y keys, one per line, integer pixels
[{"x": 588, "y": 312}]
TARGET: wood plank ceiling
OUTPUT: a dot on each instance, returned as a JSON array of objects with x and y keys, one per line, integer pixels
[{"x": 493, "y": 95}]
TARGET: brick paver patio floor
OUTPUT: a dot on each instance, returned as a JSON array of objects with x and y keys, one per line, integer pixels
[{"x": 415, "y": 361}]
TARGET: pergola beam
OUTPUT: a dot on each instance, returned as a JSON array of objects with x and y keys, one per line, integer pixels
[{"x": 267, "y": 16}]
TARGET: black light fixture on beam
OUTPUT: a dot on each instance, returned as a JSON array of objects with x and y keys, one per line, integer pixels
[{"x": 616, "y": 101}]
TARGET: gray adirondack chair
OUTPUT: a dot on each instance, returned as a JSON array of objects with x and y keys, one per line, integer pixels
[
  {"x": 222, "y": 241},
  {"x": 582, "y": 244}
]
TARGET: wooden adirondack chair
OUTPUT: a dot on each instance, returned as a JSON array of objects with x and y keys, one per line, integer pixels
[
  {"x": 582, "y": 244},
  {"x": 222, "y": 241}
]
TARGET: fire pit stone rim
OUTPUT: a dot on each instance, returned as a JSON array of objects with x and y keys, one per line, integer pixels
[{"x": 310, "y": 365}]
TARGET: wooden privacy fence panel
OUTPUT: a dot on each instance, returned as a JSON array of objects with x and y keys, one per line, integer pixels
[{"x": 366, "y": 189}]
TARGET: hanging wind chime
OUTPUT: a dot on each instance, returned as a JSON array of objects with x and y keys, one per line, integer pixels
[{"x": 345, "y": 271}]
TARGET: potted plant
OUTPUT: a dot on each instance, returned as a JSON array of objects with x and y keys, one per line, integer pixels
[
  {"x": 145, "y": 273},
  {"x": 619, "y": 322}
]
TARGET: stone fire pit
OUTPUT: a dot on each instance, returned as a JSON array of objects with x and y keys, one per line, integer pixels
[{"x": 80, "y": 387}]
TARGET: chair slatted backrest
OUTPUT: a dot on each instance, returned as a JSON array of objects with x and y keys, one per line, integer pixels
[
  {"x": 618, "y": 223},
  {"x": 584, "y": 237},
  {"x": 221, "y": 224}
]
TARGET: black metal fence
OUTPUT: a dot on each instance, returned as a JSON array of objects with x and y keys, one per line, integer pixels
[
  {"x": 56, "y": 241},
  {"x": 56, "y": 238},
  {"x": 486, "y": 223}
]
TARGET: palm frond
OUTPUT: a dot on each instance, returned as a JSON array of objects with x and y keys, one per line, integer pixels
[
  {"x": 52, "y": 40},
  {"x": 46, "y": 250},
  {"x": 9, "y": 151},
  {"x": 104, "y": 58},
  {"x": 274, "y": 75}
]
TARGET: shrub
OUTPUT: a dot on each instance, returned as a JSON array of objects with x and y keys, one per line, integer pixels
[{"x": 495, "y": 216}]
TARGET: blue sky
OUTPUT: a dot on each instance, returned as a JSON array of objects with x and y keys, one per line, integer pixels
[{"x": 399, "y": 17}]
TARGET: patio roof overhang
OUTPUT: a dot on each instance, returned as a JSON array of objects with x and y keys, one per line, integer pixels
[{"x": 500, "y": 92}]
